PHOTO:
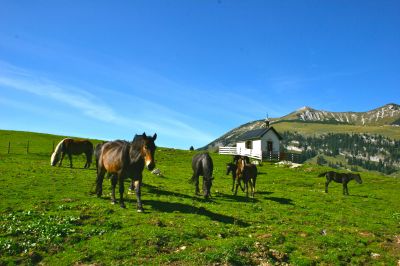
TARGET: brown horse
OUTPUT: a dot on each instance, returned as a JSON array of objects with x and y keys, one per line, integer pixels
[
  {"x": 248, "y": 173},
  {"x": 72, "y": 147},
  {"x": 123, "y": 160}
]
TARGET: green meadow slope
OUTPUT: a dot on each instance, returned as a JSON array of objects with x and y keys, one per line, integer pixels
[
  {"x": 310, "y": 129},
  {"x": 49, "y": 216}
]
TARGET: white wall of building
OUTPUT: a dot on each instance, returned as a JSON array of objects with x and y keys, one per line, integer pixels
[
  {"x": 260, "y": 145},
  {"x": 270, "y": 136}
]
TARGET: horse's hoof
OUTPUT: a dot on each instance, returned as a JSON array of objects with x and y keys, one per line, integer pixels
[
  {"x": 122, "y": 206},
  {"x": 140, "y": 209},
  {"x": 113, "y": 202}
]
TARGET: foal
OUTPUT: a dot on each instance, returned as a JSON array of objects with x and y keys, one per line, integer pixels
[
  {"x": 247, "y": 172},
  {"x": 231, "y": 168},
  {"x": 343, "y": 178}
]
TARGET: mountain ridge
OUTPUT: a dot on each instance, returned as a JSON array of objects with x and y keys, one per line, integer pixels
[{"x": 386, "y": 115}]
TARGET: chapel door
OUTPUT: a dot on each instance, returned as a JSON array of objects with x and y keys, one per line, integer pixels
[{"x": 269, "y": 146}]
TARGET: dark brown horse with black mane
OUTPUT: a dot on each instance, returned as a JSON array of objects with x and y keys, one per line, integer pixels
[
  {"x": 72, "y": 147},
  {"x": 123, "y": 159},
  {"x": 343, "y": 178},
  {"x": 202, "y": 164}
]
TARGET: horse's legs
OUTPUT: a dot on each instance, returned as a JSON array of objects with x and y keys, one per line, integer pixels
[
  {"x": 99, "y": 181},
  {"x": 246, "y": 187},
  {"x": 138, "y": 184},
  {"x": 121, "y": 191},
  {"x": 62, "y": 158},
  {"x": 70, "y": 159},
  {"x": 240, "y": 183},
  {"x": 326, "y": 184},
  {"x": 233, "y": 182},
  {"x": 114, "y": 181},
  {"x": 252, "y": 187},
  {"x": 132, "y": 185},
  {"x": 345, "y": 189},
  {"x": 87, "y": 164},
  {"x": 196, "y": 184},
  {"x": 237, "y": 186}
]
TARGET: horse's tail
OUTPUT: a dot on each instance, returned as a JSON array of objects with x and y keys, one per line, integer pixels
[
  {"x": 55, "y": 157},
  {"x": 323, "y": 174},
  {"x": 90, "y": 151}
]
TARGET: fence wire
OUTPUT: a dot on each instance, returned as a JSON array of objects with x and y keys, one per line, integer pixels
[{"x": 26, "y": 147}]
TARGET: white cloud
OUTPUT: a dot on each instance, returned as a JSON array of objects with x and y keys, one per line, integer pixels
[{"x": 162, "y": 120}]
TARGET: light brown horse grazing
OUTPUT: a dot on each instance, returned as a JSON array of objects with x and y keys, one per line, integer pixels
[
  {"x": 123, "y": 160},
  {"x": 248, "y": 173},
  {"x": 72, "y": 147}
]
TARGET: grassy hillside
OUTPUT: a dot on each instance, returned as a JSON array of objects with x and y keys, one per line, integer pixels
[
  {"x": 392, "y": 132},
  {"x": 48, "y": 216}
]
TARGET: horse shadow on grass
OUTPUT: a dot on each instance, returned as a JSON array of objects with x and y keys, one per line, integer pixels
[
  {"x": 233, "y": 198},
  {"x": 160, "y": 192},
  {"x": 365, "y": 197},
  {"x": 283, "y": 201},
  {"x": 171, "y": 207}
]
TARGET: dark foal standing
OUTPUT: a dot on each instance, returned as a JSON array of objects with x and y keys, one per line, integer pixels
[
  {"x": 202, "y": 165},
  {"x": 248, "y": 173},
  {"x": 123, "y": 160},
  {"x": 343, "y": 178},
  {"x": 72, "y": 147}
]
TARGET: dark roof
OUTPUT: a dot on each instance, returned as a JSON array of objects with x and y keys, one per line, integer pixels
[{"x": 257, "y": 134}]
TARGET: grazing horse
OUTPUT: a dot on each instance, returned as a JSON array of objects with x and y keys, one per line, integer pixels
[
  {"x": 202, "y": 164},
  {"x": 72, "y": 147},
  {"x": 343, "y": 178},
  {"x": 248, "y": 173},
  {"x": 123, "y": 160}
]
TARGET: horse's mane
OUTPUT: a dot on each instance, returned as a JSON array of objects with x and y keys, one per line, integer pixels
[
  {"x": 57, "y": 152},
  {"x": 135, "y": 146}
]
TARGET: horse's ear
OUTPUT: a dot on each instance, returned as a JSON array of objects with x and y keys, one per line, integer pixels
[
  {"x": 144, "y": 134},
  {"x": 154, "y": 136}
]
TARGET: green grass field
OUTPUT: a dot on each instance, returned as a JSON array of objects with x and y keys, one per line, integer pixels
[{"x": 48, "y": 216}]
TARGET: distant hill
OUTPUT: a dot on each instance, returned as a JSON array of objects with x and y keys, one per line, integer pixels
[
  {"x": 388, "y": 114},
  {"x": 384, "y": 120},
  {"x": 368, "y": 140}
]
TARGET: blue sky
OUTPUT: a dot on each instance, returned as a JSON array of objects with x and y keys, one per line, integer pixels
[{"x": 190, "y": 70}]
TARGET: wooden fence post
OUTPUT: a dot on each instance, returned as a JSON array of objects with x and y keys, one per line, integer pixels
[{"x": 9, "y": 146}]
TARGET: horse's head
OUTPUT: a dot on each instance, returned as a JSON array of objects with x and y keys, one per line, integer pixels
[
  {"x": 357, "y": 178},
  {"x": 55, "y": 158},
  {"x": 148, "y": 150},
  {"x": 241, "y": 163}
]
